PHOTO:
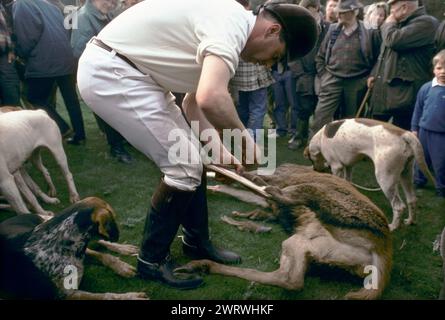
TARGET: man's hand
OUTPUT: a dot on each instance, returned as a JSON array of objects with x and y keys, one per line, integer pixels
[
  {"x": 370, "y": 82},
  {"x": 11, "y": 57},
  {"x": 251, "y": 153},
  {"x": 391, "y": 19}
]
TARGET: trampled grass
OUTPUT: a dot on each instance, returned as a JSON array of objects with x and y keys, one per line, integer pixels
[{"x": 416, "y": 273}]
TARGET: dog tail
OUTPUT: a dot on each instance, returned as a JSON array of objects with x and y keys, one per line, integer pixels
[
  {"x": 378, "y": 275},
  {"x": 417, "y": 149}
]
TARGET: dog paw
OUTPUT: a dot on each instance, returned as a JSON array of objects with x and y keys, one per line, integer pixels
[
  {"x": 52, "y": 193},
  {"x": 74, "y": 198},
  {"x": 136, "y": 296},
  {"x": 52, "y": 201},
  {"x": 392, "y": 227},
  {"x": 126, "y": 249},
  {"x": 46, "y": 215},
  {"x": 125, "y": 270},
  {"x": 409, "y": 222},
  {"x": 126, "y": 296},
  {"x": 216, "y": 188}
]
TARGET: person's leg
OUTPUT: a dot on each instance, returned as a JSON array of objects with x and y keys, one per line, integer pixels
[
  {"x": 9, "y": 82},
  {"x": 115, "y": 141},
  {"x": 281, "y": 105},
  {"x": 146, "y": 115},
  {"x": 381, "y": 117},
  {"x": 39, "y": 93},
  {"x": 437, "y": 155},
  {"x": 196, "y": 240},
  {"x": 67, "y": 86},
  {"x": 290, "y": 84},
  {"x": 328, "y": 102},
  {"x": 243, "y": 106},
  {"x": 402, "y": 118},
  {"x": 306, "y": 107},
  {"x": 419, "y": 178},
  {"x": 257, "y": 109},
  {"x": 354, "y": 92}
]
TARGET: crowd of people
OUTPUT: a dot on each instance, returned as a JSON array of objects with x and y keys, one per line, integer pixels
[
  {"x": 41, "y": 49},
  {"x": 380, "y": 54}
]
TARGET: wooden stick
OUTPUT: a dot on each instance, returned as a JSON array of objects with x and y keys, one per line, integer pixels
[
  {"x": 368, "y": 92},
  {"x": 236, "y": 177}
]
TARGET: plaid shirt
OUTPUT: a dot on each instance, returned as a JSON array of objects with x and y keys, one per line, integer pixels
[
  {"x": 6, "y": 44},
  {"x": 250, "y": 76}
]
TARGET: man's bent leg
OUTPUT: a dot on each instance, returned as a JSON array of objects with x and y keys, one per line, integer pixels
[
  {"x": 167, "y": 206},
  {"x": 195, "y": 222}
]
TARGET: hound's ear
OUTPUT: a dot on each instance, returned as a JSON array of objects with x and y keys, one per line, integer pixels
[{"x": 106, "y": 224}]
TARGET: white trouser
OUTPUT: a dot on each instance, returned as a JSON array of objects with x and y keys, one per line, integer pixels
[{"x": 141, "y": 110}]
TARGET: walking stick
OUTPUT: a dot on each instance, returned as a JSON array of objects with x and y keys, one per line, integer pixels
[{"x": 365, "y": 99}]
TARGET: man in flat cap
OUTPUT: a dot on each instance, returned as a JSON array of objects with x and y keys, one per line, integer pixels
[
  {"x": 344, "y": 62},
  {"x": 126, "y": 76},
  {"x": 404, "y": 63}
]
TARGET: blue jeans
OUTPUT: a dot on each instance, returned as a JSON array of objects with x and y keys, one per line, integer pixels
[
  {"x": 432, "y": 143},
  {"x": 252, "y": 107},
  {"x": 284, "y": 91}
]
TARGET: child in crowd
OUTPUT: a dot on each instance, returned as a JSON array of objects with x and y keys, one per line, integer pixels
[{"x": 428, "y": 123}]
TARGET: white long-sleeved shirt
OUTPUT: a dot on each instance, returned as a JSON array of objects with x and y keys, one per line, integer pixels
[{"x": 168, "y": 39}]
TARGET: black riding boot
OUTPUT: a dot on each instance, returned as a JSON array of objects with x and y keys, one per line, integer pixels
[
  {"x": 196, "y": 241},
  {"x": 161, "y": 225}
]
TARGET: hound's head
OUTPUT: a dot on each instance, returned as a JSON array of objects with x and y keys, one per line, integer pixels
[
  {"x": 103, "y": 217},
  {"x": 313, "y": 153}
]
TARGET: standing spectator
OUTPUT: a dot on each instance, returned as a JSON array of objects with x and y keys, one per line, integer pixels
[
  {"x": 121, "y": 6},
  {"x": 344, "y": 61},
  {"x": 92, "y": 18},
  {"x": 43, "y": 42},
  {"x": 9, "y": 80},
  {"x": 285, "y": 100},
  {"x": 331, "y": 14},
  {"x": 283, "y": 89},
  {"x": 440, "y": 36},
  {"x": 404, "y": 62},
  {"x": 375, "y": 15},
  {"x": 306, "y": 73},
  {"x": 428, "y": 124},
  {"x": 250, "y": 86}
]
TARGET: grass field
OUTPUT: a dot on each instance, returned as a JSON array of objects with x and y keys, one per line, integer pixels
[{"x": 416, "y": 273}]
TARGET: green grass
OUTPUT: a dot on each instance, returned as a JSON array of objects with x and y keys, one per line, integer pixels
[{"x": 416, "y": 273}]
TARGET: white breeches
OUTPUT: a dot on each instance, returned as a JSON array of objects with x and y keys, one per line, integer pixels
[{"x": 142, "y": 111}]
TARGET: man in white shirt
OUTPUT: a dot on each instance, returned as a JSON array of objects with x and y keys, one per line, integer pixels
[{"x": 126, "y": 76}]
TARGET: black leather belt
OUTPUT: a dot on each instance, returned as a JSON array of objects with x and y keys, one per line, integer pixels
[{"x": 99, "y": 43}]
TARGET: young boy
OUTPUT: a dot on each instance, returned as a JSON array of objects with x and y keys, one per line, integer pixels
[{"x": 428, "y": 123}]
